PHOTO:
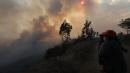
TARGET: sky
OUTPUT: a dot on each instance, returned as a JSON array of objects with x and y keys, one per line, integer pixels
[{"x": 18, "y": 16}]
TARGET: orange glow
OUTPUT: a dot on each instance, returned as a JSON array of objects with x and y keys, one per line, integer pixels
[{"x": 82, "y": 2}]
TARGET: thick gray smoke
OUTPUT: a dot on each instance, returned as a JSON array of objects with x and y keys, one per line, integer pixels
[
  {"x": 55, "y": 7},
  {"x": 30, "y": 44},
  {"x": 30, "y": 38}
]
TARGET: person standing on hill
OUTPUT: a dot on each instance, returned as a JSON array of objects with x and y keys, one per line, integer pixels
[{"x": 112, "y": 53}]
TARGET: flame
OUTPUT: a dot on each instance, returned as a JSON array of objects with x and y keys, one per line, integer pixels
[{"x": 82, "y": 2}]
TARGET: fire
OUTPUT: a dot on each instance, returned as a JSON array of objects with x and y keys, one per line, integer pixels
[{"x": 82, "y": 2}]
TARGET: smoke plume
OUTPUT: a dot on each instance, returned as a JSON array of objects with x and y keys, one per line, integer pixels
[{"x": 29, "y": 27}]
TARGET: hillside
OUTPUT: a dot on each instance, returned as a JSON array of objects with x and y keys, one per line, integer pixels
[{"x": 76, "y": 57}]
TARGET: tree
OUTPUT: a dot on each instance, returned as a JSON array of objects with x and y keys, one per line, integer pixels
[
  {"x": 87, "y": 31},
  {"x": 125, "y": 23},
  {"x": 65, "y": 30}
]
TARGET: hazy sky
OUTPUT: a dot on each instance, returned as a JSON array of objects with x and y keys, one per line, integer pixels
[{"x": 17, "y": 15}]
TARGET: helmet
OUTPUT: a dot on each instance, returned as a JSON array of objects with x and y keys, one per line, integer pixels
[{"x": 109, "y": 33}]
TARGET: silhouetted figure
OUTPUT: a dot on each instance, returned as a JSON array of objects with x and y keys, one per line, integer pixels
[
  {"x": 65, "y": 30},
  {"x": 112, "y": 53}
]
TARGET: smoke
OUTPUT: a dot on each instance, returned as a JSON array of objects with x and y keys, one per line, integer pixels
[
  {"x": 31, "y": 43},
  {"x": 29, "y": 27},
  {"x": 33, "y": 25},
  {"x": 16, "y": 15},
  {"x": 55, "y": 7}
]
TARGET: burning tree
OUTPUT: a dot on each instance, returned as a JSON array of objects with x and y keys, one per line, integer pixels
[
  {"x": 65, "y": 30},
  {"x": 87, "y": 31}
]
